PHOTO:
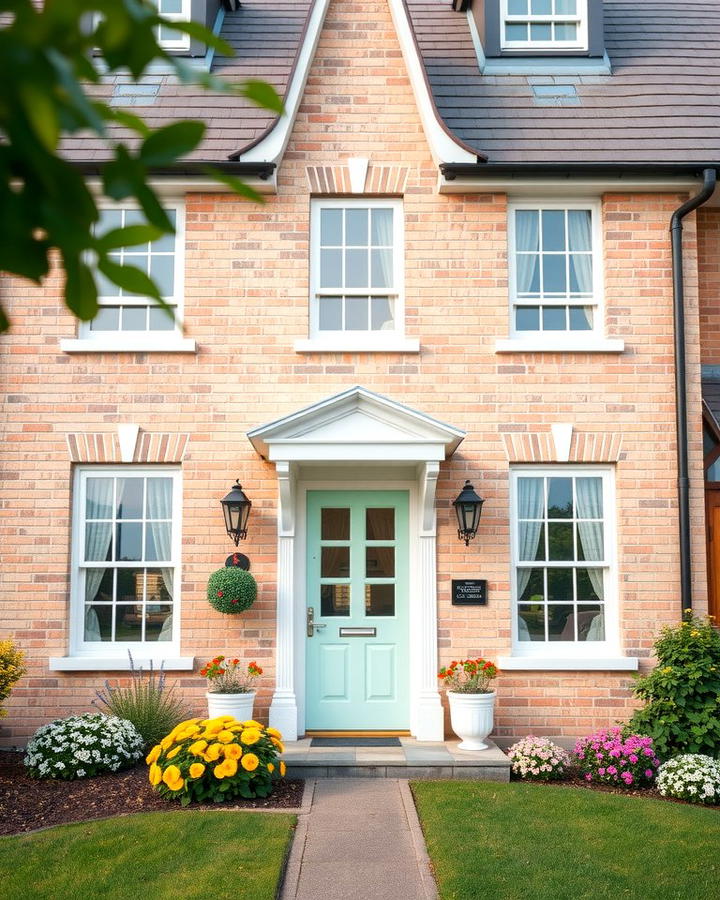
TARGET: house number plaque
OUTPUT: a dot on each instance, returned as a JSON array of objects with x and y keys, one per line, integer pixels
[{"x": 469, "y": 592}]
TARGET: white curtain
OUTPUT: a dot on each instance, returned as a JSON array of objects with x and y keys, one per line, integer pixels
[
  {"x": 580, "y": 239},
  {"x": 382, "y": 236},
  {"x": 526, "y": 238},
  {"x": 531, "y": 503},
  {"x": 98, "y": 536},
  {"x": 588, "y": 492},
  {"x": 159, "y": 505}
]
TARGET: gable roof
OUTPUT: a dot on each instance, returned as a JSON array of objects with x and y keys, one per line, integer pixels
[
  {"x": 659, "y": 105},
  {"x": 267, "y": 36},
  {"x": 357, "y": 424}
]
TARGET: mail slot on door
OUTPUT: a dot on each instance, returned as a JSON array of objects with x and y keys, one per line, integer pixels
[{"x": 358, "y": 632}]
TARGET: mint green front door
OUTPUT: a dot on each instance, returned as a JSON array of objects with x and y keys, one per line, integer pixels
[{"x": 357, "y": 610}]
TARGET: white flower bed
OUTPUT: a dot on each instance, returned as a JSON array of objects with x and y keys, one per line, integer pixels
[
  {"x": 82, "y": 746},
  {"x": 692, "y": 776},
  {"x": 538, "y": 758}
]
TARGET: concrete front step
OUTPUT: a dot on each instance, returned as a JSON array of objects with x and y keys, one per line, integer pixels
[{"x": 413, "y": 759}]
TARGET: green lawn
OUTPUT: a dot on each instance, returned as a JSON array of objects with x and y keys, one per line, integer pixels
[
  {"x": 537, "y": 842},
  {"x": 218, "y": 855}
]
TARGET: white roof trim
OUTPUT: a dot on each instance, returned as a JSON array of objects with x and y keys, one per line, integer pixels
[
  {"x": 356, "y": 425},
  {"x": 443, "y": 148},
  {"x": 272, "y": 147}
]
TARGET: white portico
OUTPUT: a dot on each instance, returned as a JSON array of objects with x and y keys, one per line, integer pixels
[{"x": 356, "y": 441}]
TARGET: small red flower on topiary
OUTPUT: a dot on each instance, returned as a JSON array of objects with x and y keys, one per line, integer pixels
[{"x": 220, "y": 594}]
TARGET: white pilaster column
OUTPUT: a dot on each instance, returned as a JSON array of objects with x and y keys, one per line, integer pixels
[
  {"x": 428, "y": 721},
  {"x": 283, "y": 709}
]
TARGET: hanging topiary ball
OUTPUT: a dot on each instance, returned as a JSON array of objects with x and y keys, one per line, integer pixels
[{"x": 231, "y": 590}]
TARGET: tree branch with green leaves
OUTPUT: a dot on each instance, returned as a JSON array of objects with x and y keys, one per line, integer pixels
[{"x": 50, "y": 55}]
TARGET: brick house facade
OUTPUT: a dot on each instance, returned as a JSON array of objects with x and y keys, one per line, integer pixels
[{"x": 453, "y": 393}]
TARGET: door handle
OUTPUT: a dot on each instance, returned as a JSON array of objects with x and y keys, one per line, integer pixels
[{"x": 311, "y": 623}]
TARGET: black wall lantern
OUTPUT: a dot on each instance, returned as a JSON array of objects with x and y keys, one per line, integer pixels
[
  {"x": 236, "y": 509},
  {"x": 468, "y": 507}
]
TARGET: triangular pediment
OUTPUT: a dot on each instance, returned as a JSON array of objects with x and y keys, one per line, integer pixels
[{"x": 356, "y": 425}]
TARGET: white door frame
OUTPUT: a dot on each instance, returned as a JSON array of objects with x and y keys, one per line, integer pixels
[{"x": 287, "y": 711}]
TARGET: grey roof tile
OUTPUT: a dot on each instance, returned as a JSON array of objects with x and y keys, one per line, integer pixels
[
  {"x": 266, "y": 36},
  {"x": 660, "y": 104}
]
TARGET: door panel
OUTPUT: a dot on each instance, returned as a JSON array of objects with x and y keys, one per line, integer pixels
[{"x": 357, "y": 588}]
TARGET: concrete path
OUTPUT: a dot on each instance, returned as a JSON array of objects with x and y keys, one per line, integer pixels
[{"x": 360, "y": 840}]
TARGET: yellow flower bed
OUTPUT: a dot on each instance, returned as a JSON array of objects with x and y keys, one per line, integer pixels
[{"x": 216, "y": 759}]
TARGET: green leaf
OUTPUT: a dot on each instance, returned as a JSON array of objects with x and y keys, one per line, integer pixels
[
  {"x": 153, "y": 210},
  {"x": 238, "y": 186},
  {"x": 263, "y": 94},
  {"x": 200, "y": 33},
  {"x": 166, "y": 144},
  {"x": 41, "y": 113},
  {"x": 130, "y": 279},
  {"x": 80, "y": 289},
  {"x": 123, "y": 117},
  {"x": 123, "y": 176},
  {"x": 130, "y": 236}
]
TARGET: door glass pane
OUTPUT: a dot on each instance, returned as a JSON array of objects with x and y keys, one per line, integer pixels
[
  {"x": 380, "y": 524},
  {"x": 335, "y": 562},
  {"x": 380, "y": 599},
  {"x": 335, "y": 524},
  {"x": 334, "y": 599},
  {"x": 561, "y": 623},
  {"x": 380, "y": 562}
]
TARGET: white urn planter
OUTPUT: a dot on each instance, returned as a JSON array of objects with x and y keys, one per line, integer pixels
[
  {"x": 471, "y": 717},
  {"x": 240, "y": 706}
]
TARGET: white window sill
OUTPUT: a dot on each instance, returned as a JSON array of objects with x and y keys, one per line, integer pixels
[
  {"x": 564, "y": 345},
  {"x": 129, "y": 344},
  {"x": 119, "y": 663},
  {"x": 365, "y": 344},
  {"x": 569, "y": 664}
]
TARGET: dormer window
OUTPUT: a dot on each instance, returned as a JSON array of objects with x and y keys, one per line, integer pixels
[
  {"x": 174, "y": 11},
  {"x": 544, "y": 25}
]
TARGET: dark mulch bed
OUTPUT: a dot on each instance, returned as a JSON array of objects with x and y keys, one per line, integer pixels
[
  {"x": 30, "y": 803},
  {"x": 574, "y": 780}
]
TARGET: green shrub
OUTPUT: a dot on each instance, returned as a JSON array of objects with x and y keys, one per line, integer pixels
[
  {"x": 11, "y": 670},
  {"x": 682, "y": 693},
  {"x": 82, "y": 746},
  {"x": 148, "y": 702},
  {"x": 231, "y": 590}
]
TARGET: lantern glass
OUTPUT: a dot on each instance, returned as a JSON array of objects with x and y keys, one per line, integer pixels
[
  {"x": 468, "y": 507},
  {"x": 236, "y": 511}
]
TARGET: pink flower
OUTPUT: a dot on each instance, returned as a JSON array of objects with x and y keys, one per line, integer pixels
[
  {"x": 648, "y": 773},
  {"x": 601, "y": 771},
  {"x": 611, "y": 770},
  {"x": 633, "y": 758},
  {"x": 588, "y": 777}
]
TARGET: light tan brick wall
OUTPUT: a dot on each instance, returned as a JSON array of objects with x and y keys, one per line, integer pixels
[
  {"x": 247, "y": 301},
  {"x": 709, "y": 268}
]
